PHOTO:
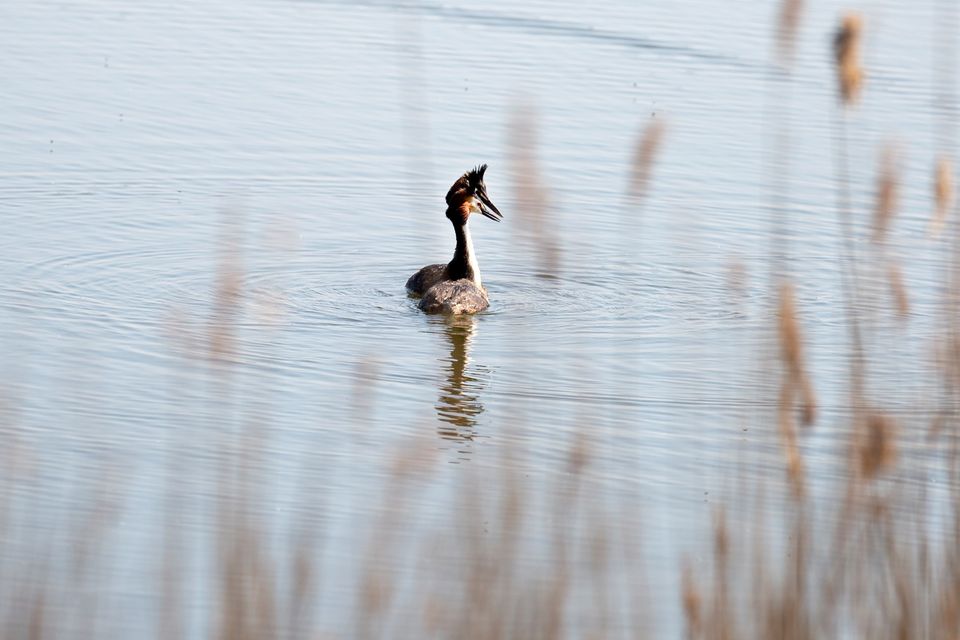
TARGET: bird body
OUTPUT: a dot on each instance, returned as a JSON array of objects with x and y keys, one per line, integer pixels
[
  {"x": 455, "y": 297},
  {"x": 456, "y": 287}
]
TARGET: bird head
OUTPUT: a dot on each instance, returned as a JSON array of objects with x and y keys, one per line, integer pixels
[{"x": 468, "y": 195}]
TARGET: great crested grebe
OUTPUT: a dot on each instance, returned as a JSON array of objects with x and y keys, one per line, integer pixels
[{"x": 456, "y": 287}]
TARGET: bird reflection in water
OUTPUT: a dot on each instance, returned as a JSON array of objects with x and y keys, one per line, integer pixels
[{"x": 458, "y": 406}]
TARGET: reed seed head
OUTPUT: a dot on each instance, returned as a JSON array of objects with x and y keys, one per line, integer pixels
[
  {"x": 691, "y": 602},
  {"x": 887, "y": 192},
  {"x": 943, "y": 192},
  {"x": 846, "y": 49},
  {"x": 643, "y": 158},
  {"x": 791, "y": 341},
  {"x": 901, "y": 299},
  {"x": 787, "y": 22},
  {"x": 876, "y": 449}
]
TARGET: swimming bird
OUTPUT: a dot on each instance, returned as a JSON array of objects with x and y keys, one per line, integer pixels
[{"x": 456, "y": 287}]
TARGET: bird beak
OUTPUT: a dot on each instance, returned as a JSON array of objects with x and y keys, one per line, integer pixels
[{"x": 489, "y": 209}]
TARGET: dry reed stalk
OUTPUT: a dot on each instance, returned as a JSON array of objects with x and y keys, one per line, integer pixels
[
  {"x": 38, "y": 616},
  {"x": 887, "y": 194},
  {"x": 692, "y": 603},
  {"x": 846, "y": 48},
  {"x": 876, "y": 450},
  {"x": 795, "y": 386},
  {"x": 791, "y": 349},
  {"x": 378, "y": 590},
  {"x": 737, "y": 279},
  {"x": 247, "y": 603},
  {"x": 788, "y": 437},
  {"x": 493, "y": 595},
  {"x": 248, "y": 592},
  {"x": 873, "y": 578},
  {"x": 788, "y": 21},
  {"x": 943, "y": 193},
  {"x": 901, "y": 297},
  {"x": 530, "y": 192},
  {"x": 721, "y": 609},
  {"x": 303, "y": 569},
  {"x": 644, "y": 156},
  {"x": 846, "y": 45},
  {"x": 227, "y": 292}
]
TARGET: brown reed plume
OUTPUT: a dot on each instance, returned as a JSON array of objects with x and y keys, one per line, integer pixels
[
  {"x": 531, "y": 193},
  {"x": 795, "y": 387},
  {"x": 943, "y": 193},
  {"x": 901, "y": 296},
  {"x": 887, "y": 202},
  {"x": 846, "y": 48},
  {"x": 788, "y": 21},
  {"x": 876, "y": 448},
  {"x": 887, "y": 193},
  {"x": 644, "y": 155},
  {"x": 227, "y": 295}
]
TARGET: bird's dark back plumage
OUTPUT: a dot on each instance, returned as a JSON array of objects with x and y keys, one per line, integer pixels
[
  {"x": 426, "y": 278},
  {"x": 455, "y": 297}
]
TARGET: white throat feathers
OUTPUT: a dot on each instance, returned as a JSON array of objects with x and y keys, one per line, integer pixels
[{"x": 473, "y": 266}]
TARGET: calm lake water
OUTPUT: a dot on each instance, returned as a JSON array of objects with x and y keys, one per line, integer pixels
[{"x": 308, "y": 146}]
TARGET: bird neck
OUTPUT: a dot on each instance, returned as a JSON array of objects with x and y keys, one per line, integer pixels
[{"x": 464, "y": 263}]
